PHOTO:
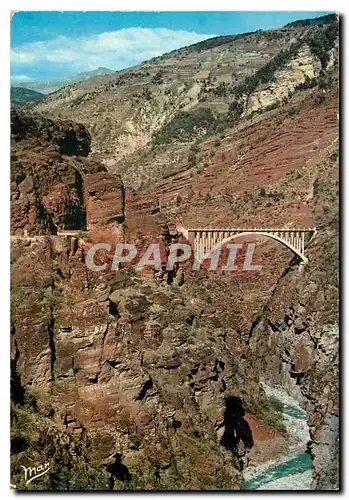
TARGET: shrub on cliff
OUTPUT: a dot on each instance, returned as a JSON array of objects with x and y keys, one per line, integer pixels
[
  {"x": 266, "y": 73},
  {"x": 322, "y": 41},
  {"x": 328, "y": 18},
  {"x": 184, "y": 126}
]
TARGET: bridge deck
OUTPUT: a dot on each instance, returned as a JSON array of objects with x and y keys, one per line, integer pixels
[
  {"x": 210, "y": 238},
  {"x": 257, "y": 230},
  {"x": 250, "y": 229}
]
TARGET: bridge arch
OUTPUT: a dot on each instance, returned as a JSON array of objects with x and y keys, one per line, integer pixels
[{"x": 260, "y": 233}]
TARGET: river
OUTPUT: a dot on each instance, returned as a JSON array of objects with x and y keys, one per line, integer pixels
[{"x": 295, "y": 470}]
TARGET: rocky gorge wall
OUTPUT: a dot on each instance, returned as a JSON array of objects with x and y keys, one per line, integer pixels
[
  {"x": 297, "y": 347},
  {"x": 134, "y": 365}
]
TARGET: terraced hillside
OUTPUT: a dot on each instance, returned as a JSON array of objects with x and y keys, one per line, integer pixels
[{"x": 142, "y": 119}]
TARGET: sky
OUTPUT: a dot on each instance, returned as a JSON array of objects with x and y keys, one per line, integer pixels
[{"x": 54, "y": 45}]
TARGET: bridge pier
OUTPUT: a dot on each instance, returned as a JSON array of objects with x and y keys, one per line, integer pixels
[{"x": 301, "y": 268}]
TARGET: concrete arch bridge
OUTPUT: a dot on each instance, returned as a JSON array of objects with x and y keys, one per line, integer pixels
[{"x": 211, "y": 238}]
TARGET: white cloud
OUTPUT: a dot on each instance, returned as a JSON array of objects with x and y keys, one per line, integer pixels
[
  {"x": 20, "y": 78},
  {"x": 21, "y": 57},
  {"x": 114, "y": 49}
]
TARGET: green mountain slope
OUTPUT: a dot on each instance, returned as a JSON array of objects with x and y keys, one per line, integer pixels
[{"x": 20, "y": 96}]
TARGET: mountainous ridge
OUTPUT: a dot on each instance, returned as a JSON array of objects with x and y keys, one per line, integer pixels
[{"x": 47, "y": 87}]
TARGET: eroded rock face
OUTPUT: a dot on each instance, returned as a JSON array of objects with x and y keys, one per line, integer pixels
[
  {"x": 133, "y": 362},
  {"x": 300, "y": 346},
  {"x": 303, "y": 66},
  {"x": 52, "y": 187},
  {"x": 105, "y": 199},
  {"x": 46, "y": 195},
  {"x": 70, "y": 138}
]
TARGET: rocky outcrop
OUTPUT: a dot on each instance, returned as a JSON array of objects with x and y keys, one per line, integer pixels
[
  {"x": 52, "y": 186},
  {"x": 297, "y": 341},
  {"x": 105, "y": 199},
  {"x": 302, "y": 67},
  {"x": 46, "y": 193},
  {"x": 144, "y": 369},
  {"x": 69, "y": 138},
  {"x": 133, "y": 362}
]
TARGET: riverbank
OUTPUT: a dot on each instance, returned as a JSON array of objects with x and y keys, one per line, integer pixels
[{"x": 294, "y": 471}]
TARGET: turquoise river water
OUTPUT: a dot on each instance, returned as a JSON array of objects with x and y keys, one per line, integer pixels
[{"x": 294, "y": 471}]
